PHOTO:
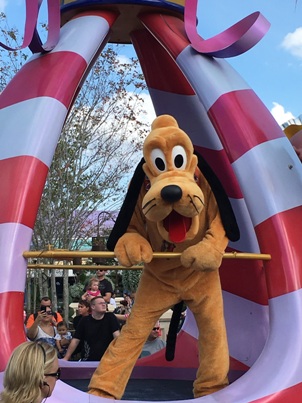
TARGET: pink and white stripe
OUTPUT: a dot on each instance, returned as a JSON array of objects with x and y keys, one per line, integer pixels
[
  {"x": 268, "y": 176},
  {"x": 33, "y": 109}
]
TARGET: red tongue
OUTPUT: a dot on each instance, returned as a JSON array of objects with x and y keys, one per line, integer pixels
[{"x": 177, "y": 226}]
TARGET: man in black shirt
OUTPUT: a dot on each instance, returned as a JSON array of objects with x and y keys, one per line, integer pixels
[
  {"x": 105, "y": 285},
  {"x": 95, "y": 331}
]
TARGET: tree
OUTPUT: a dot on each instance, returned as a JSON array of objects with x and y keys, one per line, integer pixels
[
  {"x": 10, "y": 62},
  {"x": 96, "y": 152},
  {"x": 95, "y": 155},
  {"x": 131, "y": 279}
]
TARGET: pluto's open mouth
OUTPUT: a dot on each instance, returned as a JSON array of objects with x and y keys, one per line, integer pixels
[{"x": 177, "y": 226}]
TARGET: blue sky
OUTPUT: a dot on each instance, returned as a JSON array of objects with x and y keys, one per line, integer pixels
[{"x": 273, "y": 68}]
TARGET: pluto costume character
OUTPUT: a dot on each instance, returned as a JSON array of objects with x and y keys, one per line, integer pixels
[{"x": 178, "y": 210}]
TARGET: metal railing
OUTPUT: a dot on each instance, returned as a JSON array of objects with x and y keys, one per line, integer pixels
[{"x": 68, "y": 255}]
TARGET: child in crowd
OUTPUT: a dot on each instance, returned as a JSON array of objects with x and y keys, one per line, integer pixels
[
  {"x": 62, "y": 338},
  {"x": 83, "y": 310},
  {"x": 93, "y": 290},
  {"x": 122, "y": 312}
]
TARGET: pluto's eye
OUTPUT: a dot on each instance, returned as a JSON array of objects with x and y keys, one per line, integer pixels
[
  {"x": 179, "y": 157},
  {"x": 159, "y": 160}
]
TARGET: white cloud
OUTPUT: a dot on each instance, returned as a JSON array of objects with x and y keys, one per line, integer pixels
[
  {"x": 123, "y": 59},
  {"x": 292, "y": 43},
  {"x": 280, "y": 115}
]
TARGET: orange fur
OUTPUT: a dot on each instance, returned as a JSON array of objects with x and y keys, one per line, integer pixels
[{"x": 171, "y": 168}]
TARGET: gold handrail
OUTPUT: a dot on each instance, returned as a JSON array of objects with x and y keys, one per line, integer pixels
[
  {"x": 81, "y": 267},
  {"x": 65, "y": 254}
]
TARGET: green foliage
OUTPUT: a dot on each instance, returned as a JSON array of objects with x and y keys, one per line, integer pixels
[
  {"x": 81, "y": 276},
  {"x": 130, "y": 279},
  {"x": 98, "y": 147},
  {"x": 10, "y": 61},
  {"x": 115, "y": 276},
  {"x": 76, "y": 291},
  {"x": 95, "y": 155}
]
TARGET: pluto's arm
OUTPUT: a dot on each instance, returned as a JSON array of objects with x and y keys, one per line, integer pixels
[
  {"x": 133, "y": 247},
  {"x": 207, "y": 254}
]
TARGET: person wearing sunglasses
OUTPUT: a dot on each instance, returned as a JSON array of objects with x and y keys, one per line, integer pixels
[
  {"x": 31, "y": 373},
  {"x": 154, "y": 342},
  {"x": 42, "y": 328}
]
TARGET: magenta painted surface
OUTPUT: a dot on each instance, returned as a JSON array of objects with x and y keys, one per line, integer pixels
[{"x": 232, "y": 42}]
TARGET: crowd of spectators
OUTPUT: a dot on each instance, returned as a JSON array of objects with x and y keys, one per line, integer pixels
[
  {"x": 95, "y": 332},
  {"x": 87, "y": 336}
]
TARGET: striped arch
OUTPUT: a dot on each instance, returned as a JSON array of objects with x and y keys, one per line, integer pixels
[
  {"x": 40, "y": 96},
  {"x": 234, "y": 132}
]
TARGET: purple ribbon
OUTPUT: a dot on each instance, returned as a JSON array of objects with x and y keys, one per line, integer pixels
[
  {"x": 31, "y": 35},
  {"x": 234, "y": 41}
]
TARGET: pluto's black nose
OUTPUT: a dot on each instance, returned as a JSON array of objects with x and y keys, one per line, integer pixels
[{"x": 171, "y": 193}]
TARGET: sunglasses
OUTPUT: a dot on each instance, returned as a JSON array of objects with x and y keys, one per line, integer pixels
[
  {"x": 56, "y": 375},
  {"x": 156, "y": 328}
]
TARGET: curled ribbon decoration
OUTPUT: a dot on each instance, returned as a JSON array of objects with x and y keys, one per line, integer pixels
[
  {"x": 31, "y": 36},
  {"x": 234, "y": 41}
]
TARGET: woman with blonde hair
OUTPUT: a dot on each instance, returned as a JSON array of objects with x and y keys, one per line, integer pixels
[{"x": 31, "y": 373}]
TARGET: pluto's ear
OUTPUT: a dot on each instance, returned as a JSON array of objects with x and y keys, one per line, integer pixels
[
  {"x": 128, "y": 206},
  {"x": 226, "y": 211}
]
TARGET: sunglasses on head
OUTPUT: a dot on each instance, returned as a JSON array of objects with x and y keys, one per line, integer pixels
[
  {"x": 156, "y": 328},
  {"x": 56, "y": 375}
]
